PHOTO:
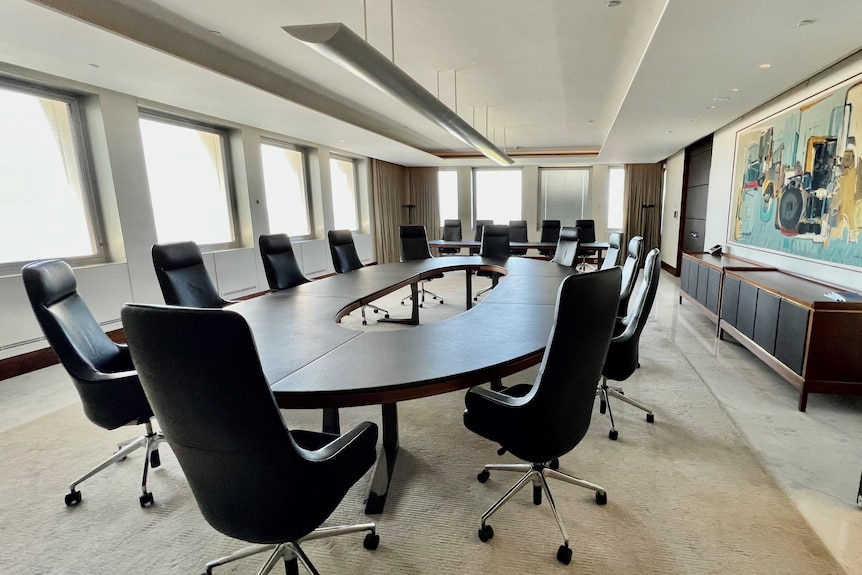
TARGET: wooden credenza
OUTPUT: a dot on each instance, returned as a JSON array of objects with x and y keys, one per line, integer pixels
[{"x": 788, "y": 322}]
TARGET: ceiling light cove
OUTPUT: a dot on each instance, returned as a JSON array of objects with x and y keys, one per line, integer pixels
[{"x": 341, "y": 45}]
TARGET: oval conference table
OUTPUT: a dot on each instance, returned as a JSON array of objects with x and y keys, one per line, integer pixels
[{"x": 313, "y": 362}]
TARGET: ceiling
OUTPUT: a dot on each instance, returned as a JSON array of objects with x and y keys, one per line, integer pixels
[{"x": 549, "y": 81}]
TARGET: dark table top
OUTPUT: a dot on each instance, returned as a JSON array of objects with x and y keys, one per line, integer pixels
[{"x": 312, "y": 361}]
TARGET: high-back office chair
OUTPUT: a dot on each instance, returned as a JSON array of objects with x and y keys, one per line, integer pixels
[
  {"x": 252, "y": 477},
  {"x": 101, "y": 370},
  {"x": 586, "y": 235},
  {"x": 480, "y": 225},
  {"x": 518, "y": 233},
  {"x": 631, "y": 267},
  {"x": 550, "y": 233},
  {"x": 345, "y": 259},
  {"x": 567, "y": 247},
  {"x": 541, "y": 422},
  {"x": 495, "y": 244},
  {"x": 452, "y": 233},
  {"x": 414, "y": 246},
  {"x": 612, "y": 256},
  {"x": 279, "y": 262},
  {"x": 622, "y": 359},
  {"x": 183, "y": 277}
]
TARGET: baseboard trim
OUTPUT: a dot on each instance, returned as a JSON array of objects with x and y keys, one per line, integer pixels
[{"x": 669, "y": 269}]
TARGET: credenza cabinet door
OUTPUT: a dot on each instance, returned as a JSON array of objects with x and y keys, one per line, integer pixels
[
  {"x": 692, "y": 279},
  {"x": 730, "y": 300},
  {"x": 766, "y": 321},
  {"x": 702, "y": 284},
  {"x": 713, "y": 288},
  {"x": 746, "y": 309},
  {"x": 683, "y": 277},
  {"x": 792, "y": 335}
]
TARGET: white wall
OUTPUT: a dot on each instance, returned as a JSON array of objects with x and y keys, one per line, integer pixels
[
  {"x": 721, "y": 182},
  {"x": 671, "y": 214}
]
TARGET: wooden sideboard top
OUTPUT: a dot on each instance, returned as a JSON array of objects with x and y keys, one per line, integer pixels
[
  {"x": 723, "y": 261},
  {"x": 805, "y": 292}
]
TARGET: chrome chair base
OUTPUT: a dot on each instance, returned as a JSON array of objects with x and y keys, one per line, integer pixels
[
  {"x": 606, "y": 392},
  {"x": 495, "y": 279},
  {"x": 375, "y": 309},
  {"x": 422, "y": 292},
  {"x": 291, "y": 552},
  {"x": 537, "y": 474},
  {"x": 150, "y": 441}
]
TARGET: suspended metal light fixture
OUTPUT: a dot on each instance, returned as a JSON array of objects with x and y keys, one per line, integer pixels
[{"x": 341, "y": 45}]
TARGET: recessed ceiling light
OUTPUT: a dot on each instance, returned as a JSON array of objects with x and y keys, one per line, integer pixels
[
  {"x": 805, "y": 23},
  {"x": 590, "y": 121},
  {"x": 734, "y": 90},
  {"x": 721, "y": 99},
  {"x": 710, "y": 107},
  {"x": 669, "y": 132},
  {"x": 692, "y": 119},
  {"x": 614, "y": 3},
  {"x": 765, "y": 66},
  {"x": 342, "y": 141},
  {"x": 94, "y": 65}
]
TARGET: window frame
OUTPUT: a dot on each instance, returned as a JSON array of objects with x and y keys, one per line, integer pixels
[
  {"x": 89, "y": 190},
  {"x": 475, "y": 190},
  {"x": 309, "y": 211},
  {"x": 230, "y": 187},
  {"x": 586, "y": 199},
  {"x": 356, "y": 193}
]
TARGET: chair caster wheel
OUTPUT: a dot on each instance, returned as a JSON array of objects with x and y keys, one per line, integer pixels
[
  {"x": 475, "y": 299},
  {"x": 537, "y": 495},
  {"x": 146, "y": 499},
  {"x": 386, "y": 316},
  {"x": 371, "y": 541},
  {"x": 364, "y": 322},
  {"x": 564, "y": 555},
  {"x": 554, "y": 464},
  {"x": 601, "y": 498},
  {"x": 376, "y": 311},
  {"x": 441, "y": 301},
  {"x": 603, "y": 406},
  {"x": 73, "y": 498},
  {"x": 155, "y": 460},
  {"x": 613, "y": 434},
  {"x": 421, "y": 305},
  {"x": 402, "y": 303},
  {"x": 486, "y": 532},
  {"x": 650, "y": 418},
  {"x": 483, "y": 476}
]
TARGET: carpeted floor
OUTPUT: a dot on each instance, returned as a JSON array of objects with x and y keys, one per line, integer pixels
[{"x": 685, "y": 495}]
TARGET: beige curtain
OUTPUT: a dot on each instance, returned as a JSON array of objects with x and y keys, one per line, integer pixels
[
  {"x": 423, "y": 196},
  {"x": 389, "y": 194},
  {"x": 643, "y": 203}
]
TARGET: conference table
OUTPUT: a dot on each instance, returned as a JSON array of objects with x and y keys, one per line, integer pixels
[
  {"x": 311, "y": 361},
  {"x": 585, "y": 247}
]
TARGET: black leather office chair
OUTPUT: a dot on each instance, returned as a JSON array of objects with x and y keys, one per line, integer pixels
[
  {"x": 518, "y": 233},
  {"x": 631, "y": 268},
  {"x": 252, "y": 477},
  {"x": 541, "y": 422},
  {"x": 345, "y": 259},
  {"x": 279, "y": 262},
  {"x": 480, "y": 225},
  {"x": 101, "y": 370},
  {"x": 587, "y": 235},
  {"x": 550, "y": 233},
  {"x": 183, "y": 277},
  {"x": 622, "y": 359},
  {"x": 452, "y": 233},
  {"x": 414, "y": 246},
  {"x": 566, "y": 253},
  {"x": 612, "y": 256},
  {"x": 495, "y": 244}
]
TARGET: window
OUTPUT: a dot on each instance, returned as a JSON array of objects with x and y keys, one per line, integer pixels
[
  {"x": 47, "y": 208},
  {"x": 497, "y": 195},
  {"x": 187, "y": 169},
  {"x": 616, "y": 187},
  {"x": 286, "y": 190},
  {"x": 565, "y": 194},
  {"x": 344, "y": 200},
  {"x": 447, "y": 192}
]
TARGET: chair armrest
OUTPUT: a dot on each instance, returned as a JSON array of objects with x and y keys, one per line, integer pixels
[
  {"x": 483, "y": 396},
  {"x": 362, "y": 436}
]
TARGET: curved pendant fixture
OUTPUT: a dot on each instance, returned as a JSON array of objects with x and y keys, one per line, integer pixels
[{"x": 341, "y": 45}]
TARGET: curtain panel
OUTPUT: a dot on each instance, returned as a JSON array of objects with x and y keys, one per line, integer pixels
[
  {"x": 388, "y": 194},
  {"x": 423, "y": 196},
  {"x": 643, "y": 203}
]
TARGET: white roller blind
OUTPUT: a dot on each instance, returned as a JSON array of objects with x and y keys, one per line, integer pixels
[{"x": 565, "y": 194}]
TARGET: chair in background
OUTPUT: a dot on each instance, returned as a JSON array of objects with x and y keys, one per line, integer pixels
[
  {"x": 612, "y": 256},
  {"x": 586, "y": 235},
  {"x": 279, "y": 262},
  {"x": 518, "y": 233},
  {"x": 550, "y": 233},
  {"x": 540, "y": 423},
  {"x": 495, "y": 244},
  {"x": 345, "y": 259},
  {"x": 566, "y": 253},
  {"x": 631, "y": 267},
  {"x": 414, "y": 246},
  {"x": 480, "y": 225},
  {"x": 622, "y": 358},
  {"x": 452, "y": 233},
  {"x": 101, "y": 370},
  {"x": 252, "y": 477},
  {"x": 183, "y": 277}
]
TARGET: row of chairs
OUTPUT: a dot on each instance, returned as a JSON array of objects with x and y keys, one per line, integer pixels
[{"x": 550, "y": 233}]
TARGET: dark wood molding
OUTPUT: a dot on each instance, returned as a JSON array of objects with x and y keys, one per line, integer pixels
[
  {"x": 670, "y": 269},
  {"x": 31, "y": 361}
]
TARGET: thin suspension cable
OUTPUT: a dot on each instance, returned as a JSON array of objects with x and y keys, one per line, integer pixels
[
  {"x": 392, "y": 27},
  {"x": 438, "y": 84},
  {"x": 486, "y": 120},
  {"x": 456, "y": 90},
  {"x": 365, "y": 18}
]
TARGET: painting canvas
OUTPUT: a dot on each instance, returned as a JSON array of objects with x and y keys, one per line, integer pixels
[{"x": 796, "y": 189}]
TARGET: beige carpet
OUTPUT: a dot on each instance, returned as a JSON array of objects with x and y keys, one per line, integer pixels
[{"x": 685, "y": 495}]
